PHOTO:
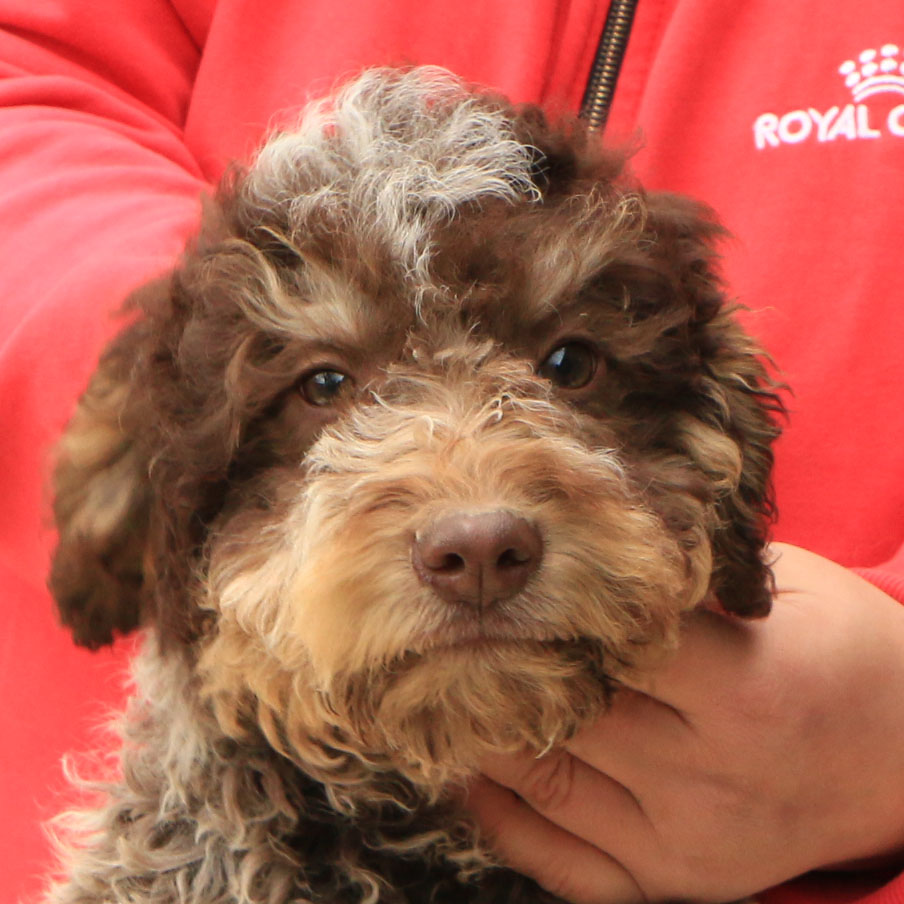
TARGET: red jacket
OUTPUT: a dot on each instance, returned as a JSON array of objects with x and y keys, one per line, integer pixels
[{"x": 787, "y": 117}]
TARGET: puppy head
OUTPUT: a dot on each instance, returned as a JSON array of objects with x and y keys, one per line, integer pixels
[{"x": 437, "y": 430}]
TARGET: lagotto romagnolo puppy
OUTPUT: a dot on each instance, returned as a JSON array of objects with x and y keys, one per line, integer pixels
[{"x": 434, "y": 433}]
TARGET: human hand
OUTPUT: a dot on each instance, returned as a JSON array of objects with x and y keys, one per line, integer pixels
[{"x": 761, "y": 751}]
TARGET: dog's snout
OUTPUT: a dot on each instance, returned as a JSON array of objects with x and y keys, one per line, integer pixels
[{"x": 477, "y": 558}]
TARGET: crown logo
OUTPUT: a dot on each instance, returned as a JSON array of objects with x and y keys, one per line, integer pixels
[{"x": 874, "y": 72}]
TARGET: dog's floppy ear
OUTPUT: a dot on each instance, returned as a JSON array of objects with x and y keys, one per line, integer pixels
[
  {"x": 731, "y": 396},
  {"x": 101, "y": 499}
]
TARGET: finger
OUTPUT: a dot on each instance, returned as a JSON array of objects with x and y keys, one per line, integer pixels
[
  {"x": 563, "y": 864},
  {"x": 577, "y": 797}
]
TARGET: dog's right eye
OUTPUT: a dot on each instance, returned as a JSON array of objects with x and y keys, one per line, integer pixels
[
  {"x": 570, "y": 366},
  {"x": 325, "y": 387}
]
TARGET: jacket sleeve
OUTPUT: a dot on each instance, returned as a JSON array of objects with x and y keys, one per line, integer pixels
[
  {"x": 97, "y": 193},
  {"x": 889, "y": 576}
]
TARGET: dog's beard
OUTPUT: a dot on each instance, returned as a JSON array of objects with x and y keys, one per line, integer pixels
[{"x": 437, "y": 715}]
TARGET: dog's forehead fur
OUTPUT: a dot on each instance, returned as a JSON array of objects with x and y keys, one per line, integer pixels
[
  {"x": 387, "y": 159},
  {"x": 403, "y": 198}
]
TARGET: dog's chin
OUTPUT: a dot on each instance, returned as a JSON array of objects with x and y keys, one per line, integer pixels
[{"x": 436, "y": 714}]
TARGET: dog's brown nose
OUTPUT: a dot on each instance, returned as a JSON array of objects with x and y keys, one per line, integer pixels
[{"x": 477, "y": 558}]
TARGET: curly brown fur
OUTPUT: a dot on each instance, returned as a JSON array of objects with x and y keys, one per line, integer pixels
[{"x": 311, "y": 692}]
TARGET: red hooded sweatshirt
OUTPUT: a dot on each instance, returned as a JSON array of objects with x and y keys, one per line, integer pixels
[{"x": 788, "y": 118}]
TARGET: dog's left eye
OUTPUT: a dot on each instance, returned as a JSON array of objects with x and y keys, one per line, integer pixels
[
  {"x": 324, "y": 387},
  {"x": 570, "y": 366}
]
